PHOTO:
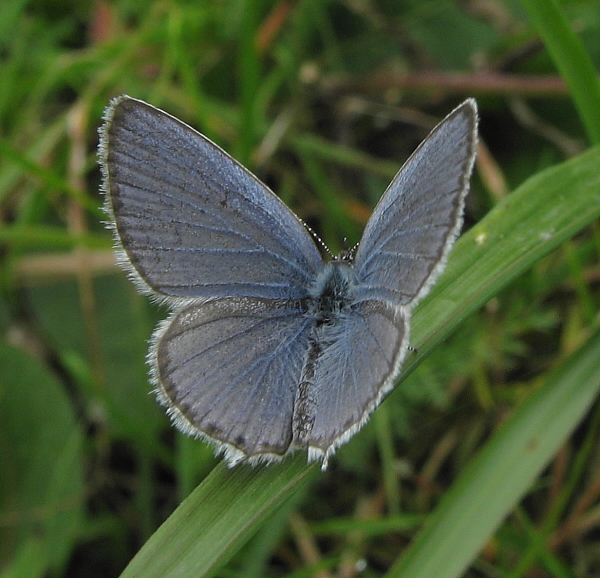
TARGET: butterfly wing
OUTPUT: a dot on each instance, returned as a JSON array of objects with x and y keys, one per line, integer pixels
[
  {"x": 412, "y": 229},
  {"x": 228, "y": 371},
  {"x": 403, "y": 249},
  {"x": 192, "y": 221},
  {"x": 365, "y": 348}
]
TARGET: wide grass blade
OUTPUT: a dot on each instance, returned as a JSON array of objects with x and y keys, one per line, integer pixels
[{"x": 230, "y": 504}]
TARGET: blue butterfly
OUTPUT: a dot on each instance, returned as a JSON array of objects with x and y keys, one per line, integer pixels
[{"x": 269, "y": 347}]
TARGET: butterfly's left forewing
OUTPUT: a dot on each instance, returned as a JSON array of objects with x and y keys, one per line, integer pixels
[{"x": 190, "y": 220}]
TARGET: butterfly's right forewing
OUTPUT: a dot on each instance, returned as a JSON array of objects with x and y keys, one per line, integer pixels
[{"x": 413, "y": 227}]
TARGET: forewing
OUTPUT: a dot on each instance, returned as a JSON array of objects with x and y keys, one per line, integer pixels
[
  {"x": 362, "y": 354},
  {"x": 413, "y": 227},
  {"x": 192, "y": 221},
  {"x": 228, "y": 371}
]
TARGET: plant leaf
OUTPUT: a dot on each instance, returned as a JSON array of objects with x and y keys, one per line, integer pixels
[
  {"x": 41, "y": 478},
  {"x": 499, "y": 476},
  {"x": 542, "y": 213},
  {"x": 206, "y": 530}
]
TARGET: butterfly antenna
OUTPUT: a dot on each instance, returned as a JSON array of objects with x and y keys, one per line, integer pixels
[
  {"x": 348, "y": 253},
  {"x": 354, "y": 248},
  {"x": 318, "y": 239}
]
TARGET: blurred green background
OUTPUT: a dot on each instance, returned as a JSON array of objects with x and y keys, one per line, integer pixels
[{"x": 488, "y": 450}]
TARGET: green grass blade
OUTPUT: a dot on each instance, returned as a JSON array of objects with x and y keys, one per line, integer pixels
[
  {"x": 248, "y": 71},
  {"x": 218, "y": 517},
  {"x": 571, "y": 60},
  {"x": 228, "y": 506},
  {"x": 499, "y": 476},
  {"x": 547, "y": 209},
  {"x": 49, "y": 237}
]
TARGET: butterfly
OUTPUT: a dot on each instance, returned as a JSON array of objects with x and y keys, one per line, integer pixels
[{"x": 269, "y": 347}]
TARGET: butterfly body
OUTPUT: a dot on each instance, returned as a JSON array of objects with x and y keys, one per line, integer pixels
[{"x": 270, "y": 348}]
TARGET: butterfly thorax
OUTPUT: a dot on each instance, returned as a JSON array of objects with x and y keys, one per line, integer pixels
[{"x": 332, "y": 292}]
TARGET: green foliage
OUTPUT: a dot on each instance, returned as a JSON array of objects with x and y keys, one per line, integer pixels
[
  {"x": 485, "y": 453},
  {"x": 42, "y": 492}
]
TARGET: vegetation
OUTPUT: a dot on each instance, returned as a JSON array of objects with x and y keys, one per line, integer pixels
[{"x": 483, "y": 462}]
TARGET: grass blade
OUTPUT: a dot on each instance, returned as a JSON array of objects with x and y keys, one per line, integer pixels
[
  {"x": 217, "y": 518},
  {"x": 228, "y": 506},
  {"x": 503, "y": 471},
  {"x": 571, "y": 60}
]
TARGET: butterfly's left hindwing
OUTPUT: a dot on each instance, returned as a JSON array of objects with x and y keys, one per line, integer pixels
[{"x": 228, "y": 371}]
